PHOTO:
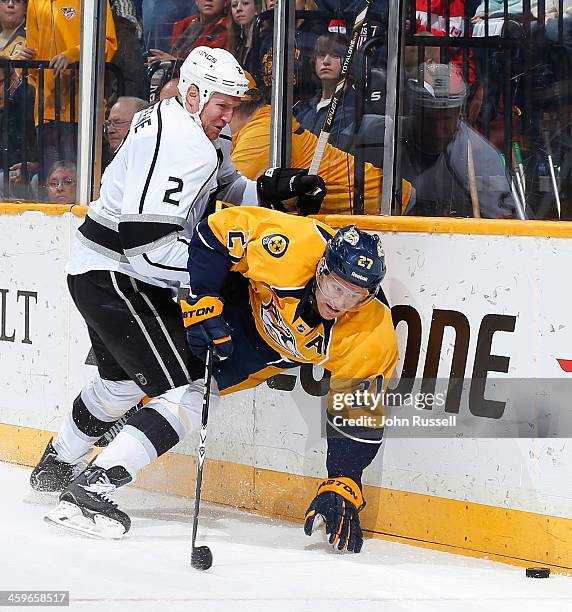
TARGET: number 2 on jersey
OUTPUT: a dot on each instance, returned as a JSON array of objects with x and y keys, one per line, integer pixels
[{"x": 170, "y": 192}]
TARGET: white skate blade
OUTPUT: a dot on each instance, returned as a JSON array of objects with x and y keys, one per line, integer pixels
[{"x": 70, "y": 517}]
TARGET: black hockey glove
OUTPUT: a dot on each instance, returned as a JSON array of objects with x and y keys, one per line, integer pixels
[
  {"x": 338, "y": 501},
  {"x": 279, "y": 184},
  {"x": 202, "y": 317}
]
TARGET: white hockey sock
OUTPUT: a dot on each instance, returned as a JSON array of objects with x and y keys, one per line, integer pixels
[
  {"x": 72, "y": 445},
  {"x": 99, "y": 405},
  {"x": 156, "y": 428},
  {"x": 129, "y": 449}
]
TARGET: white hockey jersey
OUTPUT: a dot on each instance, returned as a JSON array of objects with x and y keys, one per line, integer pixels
[{"x": 153, "y": 193}]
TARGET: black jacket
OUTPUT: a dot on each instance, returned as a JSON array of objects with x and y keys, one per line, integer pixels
[{"x": 17, "y": 131}]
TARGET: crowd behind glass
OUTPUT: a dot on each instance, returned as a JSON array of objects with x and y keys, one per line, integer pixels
[{"x": 484, "y": 97}]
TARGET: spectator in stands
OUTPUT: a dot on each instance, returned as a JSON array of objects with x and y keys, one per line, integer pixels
[
  {"x": 159, "y": 17},
  {"x": 241, "y": 27},
  {"x": 552, "y": 14},
  {"x": 53, "y": 34},
  {"x": 328, "y": 57},
  {"x": 514, "y": 7},
  {"x": 209, "y": 29},
  {"x": 62, "y": 183},
  {"x": 129, "y": 56},
  {"x": 305, "y": 36},
  {"x": 378, "y": 9},
  {"x": 436, "y": 23},
  {"x": 126, "y": 9},
  {"x": 17, "y": 135},
  {"x": 119, "y": 121},
  {"x": 444, "y": 158},
  {"x": 416, "y": 57},
  {"x": 12, "y": 27},
  {"x": 454, "y": 170},
  {"x": 251, "y": 150}
]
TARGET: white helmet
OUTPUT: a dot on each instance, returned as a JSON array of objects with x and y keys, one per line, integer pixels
[{"x": 212, "y": 71}]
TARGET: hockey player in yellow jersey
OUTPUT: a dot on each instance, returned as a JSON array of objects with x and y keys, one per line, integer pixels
[
  {"x": 251, "y": 149},
  {"x": 282, "y": 258},
  {"x": 271, "y": 291},
  {"x": 301, "y": 293}
]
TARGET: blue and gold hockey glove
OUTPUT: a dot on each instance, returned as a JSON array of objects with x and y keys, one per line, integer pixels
[
  {"x": 338, "y": 501},
  {"x": 202, "y": 317}
]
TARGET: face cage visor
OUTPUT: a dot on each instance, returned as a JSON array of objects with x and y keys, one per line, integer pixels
[{"x": 340, "y": 293}]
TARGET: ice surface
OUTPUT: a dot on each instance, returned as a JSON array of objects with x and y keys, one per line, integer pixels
[{"x": 259, "y": 564}]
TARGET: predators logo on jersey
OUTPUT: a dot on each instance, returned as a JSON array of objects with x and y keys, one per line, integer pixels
[
  {"x": 69, "y": 12},
  {"x": 275, "y": 244},
  {"x": 277, "y": 329}
]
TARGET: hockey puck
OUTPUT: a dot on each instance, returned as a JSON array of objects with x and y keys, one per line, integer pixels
[
  {"x": 201, "y": 558},
  {"x": 537, "y": 572}
]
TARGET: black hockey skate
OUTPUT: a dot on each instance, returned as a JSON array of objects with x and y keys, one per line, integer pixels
[
  {"x": 51, "y": 474},
  {"x": 85, "y": 506}
]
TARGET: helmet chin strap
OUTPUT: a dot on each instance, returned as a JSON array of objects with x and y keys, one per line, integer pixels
[{"x": 196, "y": 116}]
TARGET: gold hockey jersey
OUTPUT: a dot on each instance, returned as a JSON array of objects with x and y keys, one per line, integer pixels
[{"x": 278, "y": 254}]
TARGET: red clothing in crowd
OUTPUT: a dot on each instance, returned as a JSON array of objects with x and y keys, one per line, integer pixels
[
  {"x": 438, "y": 26},
  {"x": 214, "y": 35}
]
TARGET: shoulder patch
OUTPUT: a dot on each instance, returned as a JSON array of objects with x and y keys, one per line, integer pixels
[
  {"x": 69, "y": 12},
  {"x": 275, "y": 244}
]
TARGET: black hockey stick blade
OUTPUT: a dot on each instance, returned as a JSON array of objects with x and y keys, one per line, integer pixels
[{"x": 201, "y": 558}]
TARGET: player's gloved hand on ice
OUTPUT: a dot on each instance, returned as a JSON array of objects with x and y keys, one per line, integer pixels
[
  {"x": 338, "y": 501},
  {"x": 202, "y": 317},
  {"x": 277, "y": 185}
]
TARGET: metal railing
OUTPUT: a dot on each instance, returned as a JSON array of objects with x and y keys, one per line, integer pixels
[{"x": 35, "y": 103}]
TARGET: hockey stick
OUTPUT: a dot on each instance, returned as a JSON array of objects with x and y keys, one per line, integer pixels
[
  {"x": 201, "y": 556},
  {"x": 552, "y": 173},
  {"x": 108, "y": 436},
  {"x": 473, "y": 181},
  {"x": 359, "y": 30}
]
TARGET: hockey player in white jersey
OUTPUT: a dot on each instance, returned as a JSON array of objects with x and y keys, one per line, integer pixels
[{"x": 130, "y": 257}]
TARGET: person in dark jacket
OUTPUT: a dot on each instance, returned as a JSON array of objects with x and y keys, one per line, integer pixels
[
  {"x": 129, "y": 56},
  {"x": 328, "y": 57},
  {"x": 18, "y": 150},
  {"x": 307, "y": 32},
  {"x": 159, "y": 18}
]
